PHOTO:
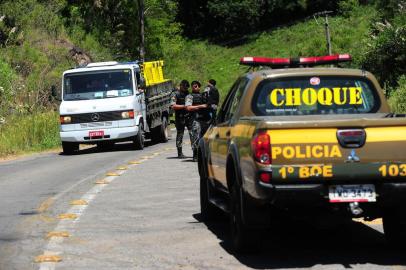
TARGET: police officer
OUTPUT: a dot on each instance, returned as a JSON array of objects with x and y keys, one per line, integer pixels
[
  {"x": 193, "y": 106},
  {"x": 212, "y": 98},
  {"x": 182, "y": 118}
]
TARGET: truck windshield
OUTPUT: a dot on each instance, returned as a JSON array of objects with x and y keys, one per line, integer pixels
[
  {"x": 315, "y": 95},
  {"x": 98, "y": 84}
]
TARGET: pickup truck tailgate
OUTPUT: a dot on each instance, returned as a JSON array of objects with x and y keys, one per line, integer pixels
[{"x": 318, "y": 154}]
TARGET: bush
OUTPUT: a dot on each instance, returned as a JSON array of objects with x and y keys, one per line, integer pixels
[
  {"x": 386, "y": 54},
  {"x": 397, "y": 100}
]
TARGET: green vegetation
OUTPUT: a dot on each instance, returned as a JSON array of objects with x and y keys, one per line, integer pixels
[
  {"x": 201, "y": 60},
  {"x": 29, "y": 133},
  {"x": 39, "y": 39}
]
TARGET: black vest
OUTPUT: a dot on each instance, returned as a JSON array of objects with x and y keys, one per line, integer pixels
[{"x": 180, "y": 100}]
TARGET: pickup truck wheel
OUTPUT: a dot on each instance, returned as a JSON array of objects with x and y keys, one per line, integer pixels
[
  {"x": 138, "y": 142},
  {"x": 244, "y": 240},
  {"x": 394, "y": 225},
  {"x": 208, "y": 211},
  {"x": 69, "y": 148}
]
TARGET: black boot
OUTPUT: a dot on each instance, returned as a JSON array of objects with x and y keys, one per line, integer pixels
[
  {"x": 180, "y": 154},
  {"x": 194, "y": 155}
]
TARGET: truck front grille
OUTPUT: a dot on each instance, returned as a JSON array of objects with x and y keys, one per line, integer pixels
[{"x": 95, "y": 118}]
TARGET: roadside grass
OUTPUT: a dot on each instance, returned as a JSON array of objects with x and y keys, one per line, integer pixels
[{"x": 29, "y": 133}]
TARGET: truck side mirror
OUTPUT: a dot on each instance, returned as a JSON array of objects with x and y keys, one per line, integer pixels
[{"x": 140, "y": 80}]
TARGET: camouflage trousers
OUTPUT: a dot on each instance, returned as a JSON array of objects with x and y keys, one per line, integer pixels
[
  {"x": 198, "y": 130},
  {"x": 180, "y": 124}
]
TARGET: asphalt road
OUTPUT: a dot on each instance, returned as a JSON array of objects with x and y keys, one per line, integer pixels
[{"x": 145, "y": 215}]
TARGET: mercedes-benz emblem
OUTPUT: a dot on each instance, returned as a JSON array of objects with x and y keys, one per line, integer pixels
[{"x": 95, "y": 117}]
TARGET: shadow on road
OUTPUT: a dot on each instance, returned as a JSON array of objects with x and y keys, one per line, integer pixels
[
  {"x": 118, "y": 147},
  {"x": 300, "y": 245}
]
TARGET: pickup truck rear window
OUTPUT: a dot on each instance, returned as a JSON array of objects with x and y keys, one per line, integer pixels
[{"x": 315, "y": 95}]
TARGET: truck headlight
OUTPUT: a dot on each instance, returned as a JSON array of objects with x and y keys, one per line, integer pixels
[
  {"x": 127, "y": 115},
  {"x": 65, "y": 119}
]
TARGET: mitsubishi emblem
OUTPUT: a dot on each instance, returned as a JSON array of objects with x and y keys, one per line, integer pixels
[{"x": 352, "y": 157}]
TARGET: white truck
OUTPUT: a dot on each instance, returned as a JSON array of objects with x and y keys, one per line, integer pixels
[{"x": 108, "y": 102}]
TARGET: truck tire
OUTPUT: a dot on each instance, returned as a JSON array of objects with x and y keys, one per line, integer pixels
[
  {"x": 69, "y": 148},
  {"x": 138, "y": 142},
  {"x": 208, "y": 211},
  {"x": 394, "y": 226},
  {"x": 164, "y": 130},
  {"x": 160, "y": 134},
  {"x": 244, "y": 240}
]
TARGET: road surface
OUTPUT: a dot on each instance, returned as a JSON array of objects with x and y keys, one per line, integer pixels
[{"x": 65, "y": 212}]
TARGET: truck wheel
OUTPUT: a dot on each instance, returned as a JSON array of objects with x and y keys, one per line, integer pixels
[
  {"x": 244, "y": 240},
  {"x": 164, "y": 130},
  {"x": 394, "y": 226},
  {"x": 69, "y": 148},
  {"x": 160, "y": 134},
  {"x": 138, "y": 142}
]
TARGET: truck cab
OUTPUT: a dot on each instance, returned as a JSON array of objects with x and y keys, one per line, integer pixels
[{"x": 106, "y": 102}]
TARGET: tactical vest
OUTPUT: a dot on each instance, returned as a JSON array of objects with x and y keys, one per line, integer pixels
[
  {"x": 197, "y": 99},
  {"x": 180, "y": 100}
]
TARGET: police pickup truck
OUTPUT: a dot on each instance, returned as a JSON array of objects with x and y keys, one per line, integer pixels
[
  {"x": 108, "y": 102},
  {"x": 319, "y": 142}
]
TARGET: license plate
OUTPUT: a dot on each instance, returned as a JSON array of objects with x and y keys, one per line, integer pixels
[
  {"x": 352, "y": 193},
  {"x": 93, "y": 134}
]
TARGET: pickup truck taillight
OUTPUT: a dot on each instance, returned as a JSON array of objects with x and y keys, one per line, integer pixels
[{"x": 261, "y": 148}]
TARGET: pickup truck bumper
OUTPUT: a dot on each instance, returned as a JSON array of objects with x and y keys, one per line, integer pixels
[
  {"x": 388, "y": 194},
  {"x": 110, "y": 134}
]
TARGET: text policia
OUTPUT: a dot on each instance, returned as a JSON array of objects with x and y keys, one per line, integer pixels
[{"x": 310, "y": 96}]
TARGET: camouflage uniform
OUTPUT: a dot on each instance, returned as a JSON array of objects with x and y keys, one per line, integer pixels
[
  {"x": 182, "y": 118},
  {"x": 194, "y": 99}
]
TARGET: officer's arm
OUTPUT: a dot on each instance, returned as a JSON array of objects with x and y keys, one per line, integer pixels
[
  {"x": 175, "y": 106},
  {"x": 188, "y": 104}
]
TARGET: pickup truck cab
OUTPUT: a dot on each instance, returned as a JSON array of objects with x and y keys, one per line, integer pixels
[{"x": 305, "y": 141}]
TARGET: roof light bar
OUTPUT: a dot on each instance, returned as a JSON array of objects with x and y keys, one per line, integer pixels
[{"x": 294, "y": 62}]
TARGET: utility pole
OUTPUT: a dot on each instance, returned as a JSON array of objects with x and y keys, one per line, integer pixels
[
  {"x": 141, "y": 14},
  {"x": 327, "y": 28}
]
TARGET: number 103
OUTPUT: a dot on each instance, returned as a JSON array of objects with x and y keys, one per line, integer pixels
[{"x": 393, "y": 170}]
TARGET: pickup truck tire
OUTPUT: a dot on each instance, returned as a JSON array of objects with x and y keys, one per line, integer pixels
[
  {"x": 244, "y": 240},
  {"x": 394, "y": 225},
  {"x": 208, "y": 211},
  {"x": 69, "y": 148},
  {"x": 138, "y": 141}
]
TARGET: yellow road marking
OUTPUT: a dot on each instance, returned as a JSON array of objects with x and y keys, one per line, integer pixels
[
  {"x": 78, "y": 202},
  {"x": 122, "y": 168},
  {"x": 112, "y": 174},
  {"x": 102, "y": 182},
  {"x": 145, "y": 157},
  {"x": 47, "y": 258},
  {"x": 134, "y": 162},
  {"x": 45, "y": 205},
  {"x": 68, "y": 216},
  {"x": 58, "y": 234},
  {"x": 373, "y": 222}
]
